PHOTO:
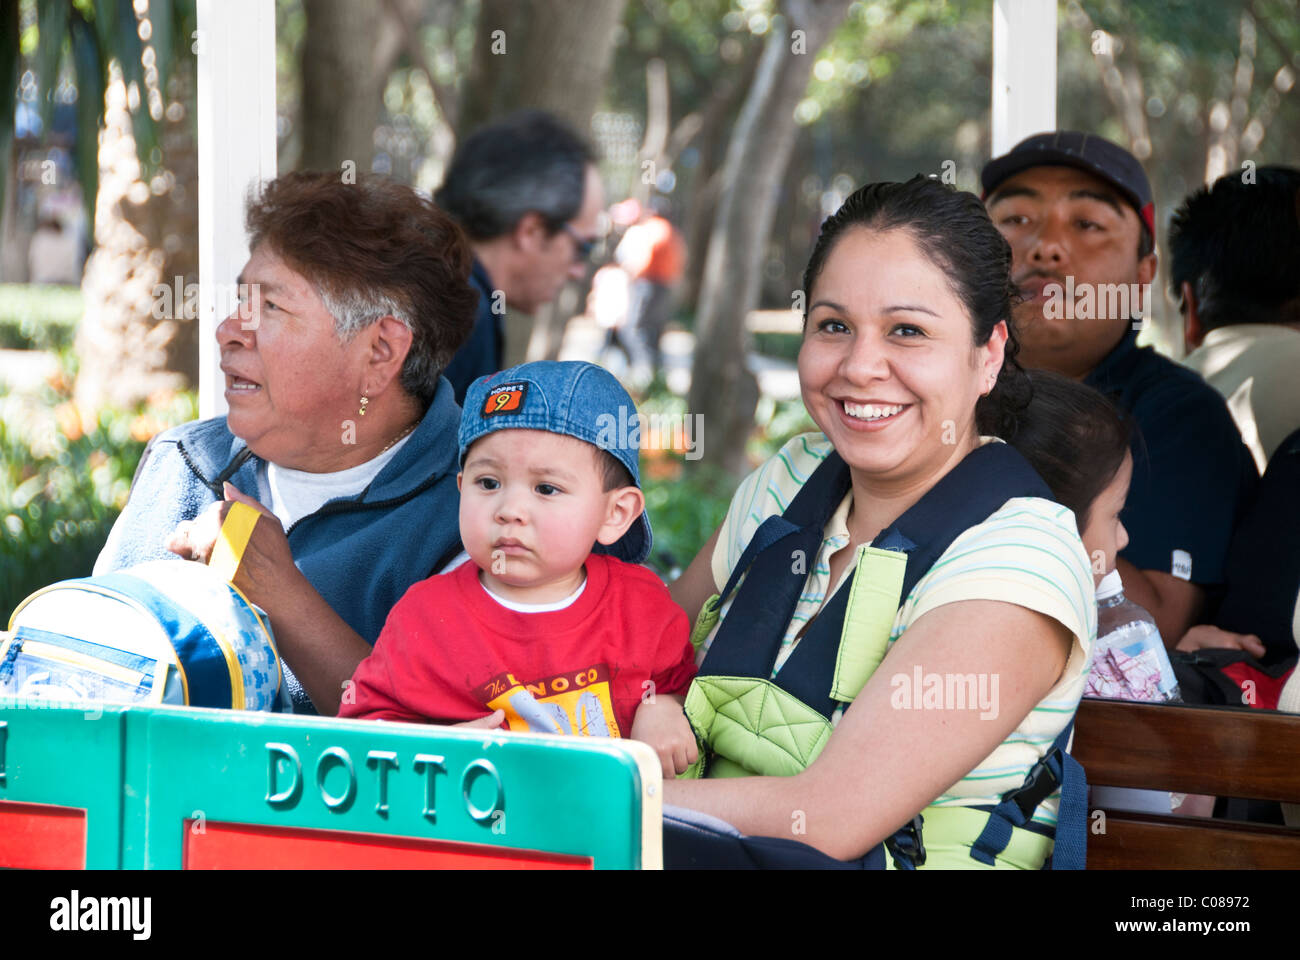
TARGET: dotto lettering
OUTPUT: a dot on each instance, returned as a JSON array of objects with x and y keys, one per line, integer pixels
[{"x": 285, "y": 780}]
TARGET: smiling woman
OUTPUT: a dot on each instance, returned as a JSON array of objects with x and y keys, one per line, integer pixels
[
  {"x": 341, "y": 429},
  {"x": 919, "y": 542}
]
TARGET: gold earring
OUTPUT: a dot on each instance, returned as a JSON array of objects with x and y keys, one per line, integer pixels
[{"x": 364, "y": 401}]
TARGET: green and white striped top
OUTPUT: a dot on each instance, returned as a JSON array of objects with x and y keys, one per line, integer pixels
[{"x": 1027, "y": 553}]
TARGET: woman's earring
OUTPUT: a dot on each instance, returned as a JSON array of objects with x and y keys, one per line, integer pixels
[{"x": 364, "y": 401}]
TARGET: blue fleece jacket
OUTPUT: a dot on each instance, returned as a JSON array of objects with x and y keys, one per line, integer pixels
[{"x": 360, "y": 553}]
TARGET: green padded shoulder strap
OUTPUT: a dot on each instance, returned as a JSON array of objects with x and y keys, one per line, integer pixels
[{"x": 874, "y": 599}]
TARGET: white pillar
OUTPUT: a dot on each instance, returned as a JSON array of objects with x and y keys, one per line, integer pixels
[
  {"x": 236, "y": 124},
  {"x": 1024, "y": 70}
]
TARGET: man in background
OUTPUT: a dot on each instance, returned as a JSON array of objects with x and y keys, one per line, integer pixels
[
  {"x": 1077, "y": 211},
  {"x": 527, "y": 193},
  {"x": 1236, "y": 275}
]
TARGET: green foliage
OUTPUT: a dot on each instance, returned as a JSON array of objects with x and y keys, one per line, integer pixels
[
  {"x": 782, "y": 345},
  {"x": 778, "y": 421},
  {"x": 684, "y": 512},
  {"x": 865, "y": 48},
  {"x": 63, "y": 482},
  {"x": 91, "y": 34},
  {"x": 38, "y": 317},
  {"x": 688, "y": 499}
]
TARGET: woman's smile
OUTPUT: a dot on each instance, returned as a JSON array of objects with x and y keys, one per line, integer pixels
[{"x": 870, "y": 416}]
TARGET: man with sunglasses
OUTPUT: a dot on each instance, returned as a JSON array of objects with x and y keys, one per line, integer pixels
[{"x": 527, "y": 193}]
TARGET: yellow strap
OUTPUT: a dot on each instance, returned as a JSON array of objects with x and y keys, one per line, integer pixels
[
  {"x": 949, "y": 832},
  {"x": 868, "y": 620},
  {"x": 233, "y": 538}
]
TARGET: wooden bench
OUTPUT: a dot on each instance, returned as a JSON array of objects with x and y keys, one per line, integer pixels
[{"x": 1223, "y": 751}]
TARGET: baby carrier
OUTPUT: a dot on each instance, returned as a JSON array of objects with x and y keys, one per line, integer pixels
[
  {"x": 748, "y": 724},
  {"x": 164, "y": 632}
]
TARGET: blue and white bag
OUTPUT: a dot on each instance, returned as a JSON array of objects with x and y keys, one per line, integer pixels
[{"x": 164, "y": 632}]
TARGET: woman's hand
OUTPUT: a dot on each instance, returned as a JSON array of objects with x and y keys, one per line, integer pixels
[
  {"x": 1207, "y": 637},
  {"x": 266, "y": 567}
]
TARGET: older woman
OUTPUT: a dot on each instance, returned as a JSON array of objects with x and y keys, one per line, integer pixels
[
  {"x": 341, "y": 429},
  {"x": 907, "y": 366}
]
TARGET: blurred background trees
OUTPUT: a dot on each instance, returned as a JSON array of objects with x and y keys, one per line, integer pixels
[{"x": 752, "y": 118}]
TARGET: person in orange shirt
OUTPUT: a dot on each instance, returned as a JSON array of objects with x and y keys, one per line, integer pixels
[{"x": 654, "y": 256}]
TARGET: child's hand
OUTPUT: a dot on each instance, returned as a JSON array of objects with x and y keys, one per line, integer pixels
[
  {"x": 491, "y": 721},
  {"x": 662, "y": 724}
]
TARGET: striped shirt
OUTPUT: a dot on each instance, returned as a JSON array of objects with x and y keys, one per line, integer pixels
[{"x": 1027, "y": 553}]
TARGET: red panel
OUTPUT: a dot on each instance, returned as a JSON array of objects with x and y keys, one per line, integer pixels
[
  {"x": 242, "y": 846},
  {"x": 39, "y": 836}
]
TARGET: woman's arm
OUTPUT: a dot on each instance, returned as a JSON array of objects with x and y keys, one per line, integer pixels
[
  {"x": 695, "y": 585},
  {"x": 316, "y": 643},
  {"x": 886, "y": 762}
]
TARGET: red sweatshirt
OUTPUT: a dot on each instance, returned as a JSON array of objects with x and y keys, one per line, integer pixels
[{"x": 449, "y": 652}]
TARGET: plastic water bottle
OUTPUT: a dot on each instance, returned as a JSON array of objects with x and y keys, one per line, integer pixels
[
  {"x": 1129, "y": 663},
  {"x": 1130, "y": 654}
]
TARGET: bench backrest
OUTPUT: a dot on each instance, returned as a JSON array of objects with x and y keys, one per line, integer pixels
[
  {"x": 134, "y": 787},
  {"x": 1222, "y": 751}
]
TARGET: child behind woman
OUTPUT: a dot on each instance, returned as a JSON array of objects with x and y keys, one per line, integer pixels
[{"x": 1079, "y": 444}]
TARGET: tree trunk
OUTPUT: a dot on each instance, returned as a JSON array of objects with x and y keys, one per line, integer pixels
[
  {"x": 722, "y": 388},
  {"x": 706, "y": 180},
  {"x": 340, "y": 84},
  {"x": 552, "y": 55},
  {"x": 132, "y": 342}
]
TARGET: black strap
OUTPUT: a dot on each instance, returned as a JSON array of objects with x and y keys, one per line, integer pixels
[{"x": 779, "y": 556}]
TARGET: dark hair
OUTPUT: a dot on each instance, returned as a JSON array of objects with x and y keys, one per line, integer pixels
[
  {"x": 374, "y": 248},
  {"x": 1146, "y": 244},
  {"x": 1238, "y": 245},
  {"x": 1074, "y": 438},
  {"x": 528, "y": 162},
  {"x": 954, "y": 231},
  {"x": 613, "y": 474}
]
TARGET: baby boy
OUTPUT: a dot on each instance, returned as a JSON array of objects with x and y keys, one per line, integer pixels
[{"x": 538, "y": 631}]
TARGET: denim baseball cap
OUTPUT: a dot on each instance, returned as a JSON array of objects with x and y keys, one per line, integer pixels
[
  {"x": 574, "y": 398},
  {"x": 1085, "y": 151}
]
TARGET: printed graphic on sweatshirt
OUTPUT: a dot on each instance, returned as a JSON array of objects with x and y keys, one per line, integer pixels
[{"x": 574, "y": 702}]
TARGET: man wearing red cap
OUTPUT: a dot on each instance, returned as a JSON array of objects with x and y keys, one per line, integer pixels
[{"x": 1078, "y": 213}]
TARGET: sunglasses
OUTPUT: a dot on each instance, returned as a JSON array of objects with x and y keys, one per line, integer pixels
[{"x": 582, "y": 247}]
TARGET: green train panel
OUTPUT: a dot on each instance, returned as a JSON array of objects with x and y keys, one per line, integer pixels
[{"x": 116, "y": 787}]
